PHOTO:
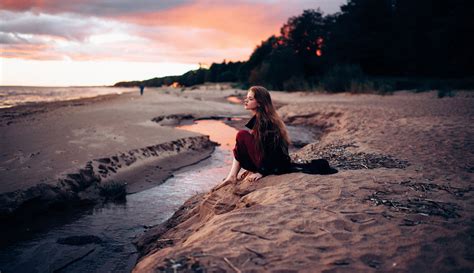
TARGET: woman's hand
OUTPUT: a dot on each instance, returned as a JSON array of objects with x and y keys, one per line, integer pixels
[
  {"x": 253, "y": 177},
  {"x": 228, "y": 180}
]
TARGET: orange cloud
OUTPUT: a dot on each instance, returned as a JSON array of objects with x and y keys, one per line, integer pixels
[{"x": 245, "y": 24}]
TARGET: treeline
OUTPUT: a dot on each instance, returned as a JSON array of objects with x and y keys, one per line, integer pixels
[
  {"x": 224, "y": 72},
  {"x": 370, "y": 44}
]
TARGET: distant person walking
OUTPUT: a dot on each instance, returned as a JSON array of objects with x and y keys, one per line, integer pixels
[{"x": 142, "y": 89}]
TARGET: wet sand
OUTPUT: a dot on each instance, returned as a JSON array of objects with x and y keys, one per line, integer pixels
[
  {"x": 402, "y": 200},
  {"x": 64, "y": 151}
]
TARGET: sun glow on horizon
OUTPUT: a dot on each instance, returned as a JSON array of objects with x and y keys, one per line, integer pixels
[{"x": 83, "y": 73}]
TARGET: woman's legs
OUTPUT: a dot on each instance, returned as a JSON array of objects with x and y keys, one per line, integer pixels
[
  {"x": 245, "y": 151},
  {"x": 245, "y": 156},
  {"x": 232, "y": 176}
]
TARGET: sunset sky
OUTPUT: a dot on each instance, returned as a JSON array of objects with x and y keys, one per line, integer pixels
[{"x": 100, "y": 42}]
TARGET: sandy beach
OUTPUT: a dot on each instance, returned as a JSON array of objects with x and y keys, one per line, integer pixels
[{"x": 402, "y": 200}]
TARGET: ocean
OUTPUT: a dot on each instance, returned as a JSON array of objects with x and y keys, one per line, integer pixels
[{"x": 16, "y": 95}]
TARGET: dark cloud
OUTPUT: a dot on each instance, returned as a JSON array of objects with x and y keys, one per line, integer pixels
[
  {"x": 91, "y": 7},
  {"x": 11, "y": 39},
  {"x": 70, "y": 27}
]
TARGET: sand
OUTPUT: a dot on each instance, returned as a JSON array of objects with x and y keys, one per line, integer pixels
[
  {"x": 402, "y": 200},
  {"x": 63, "y": 151}
]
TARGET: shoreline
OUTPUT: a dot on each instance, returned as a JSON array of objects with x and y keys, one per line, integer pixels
[
  {"x": 10, "y": 114},
  {"x": 48, "y": 99}
]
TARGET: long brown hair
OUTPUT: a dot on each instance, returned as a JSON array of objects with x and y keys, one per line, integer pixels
[{"x": 269, "y": 130}]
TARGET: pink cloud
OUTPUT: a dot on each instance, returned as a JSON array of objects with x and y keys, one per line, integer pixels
[
  {"x": 245, "y": 23},
  {"x": 29, "y": 52}
]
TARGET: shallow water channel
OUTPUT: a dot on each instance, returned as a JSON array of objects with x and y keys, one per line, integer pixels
[
  {"x": 115, "y": 225},
  {"x": 118, "y": 224}
]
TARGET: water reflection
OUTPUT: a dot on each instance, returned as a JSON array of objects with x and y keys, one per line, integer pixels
[
  {"x": 234, "y": 99},
  {"x": 216, "y": 130}
]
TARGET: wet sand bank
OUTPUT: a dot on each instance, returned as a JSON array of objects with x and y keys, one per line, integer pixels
[{"x": 63, "y": 151}]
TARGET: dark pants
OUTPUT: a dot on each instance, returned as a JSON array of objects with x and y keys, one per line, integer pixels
[{"x": 245, "y": 151}]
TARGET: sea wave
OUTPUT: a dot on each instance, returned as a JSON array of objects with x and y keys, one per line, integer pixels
[{"x": 17, "y": 95}]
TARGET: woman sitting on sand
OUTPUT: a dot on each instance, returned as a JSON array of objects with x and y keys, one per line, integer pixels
[{"x": 264, "y": 149}]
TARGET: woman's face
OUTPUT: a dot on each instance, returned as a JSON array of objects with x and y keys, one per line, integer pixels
[{"x": 250, "y": 103}]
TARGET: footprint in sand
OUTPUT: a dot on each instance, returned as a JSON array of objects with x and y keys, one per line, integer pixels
[{"x": 20, "y": 156}]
